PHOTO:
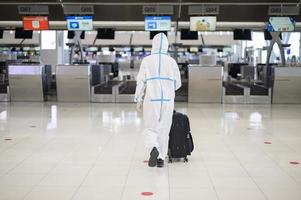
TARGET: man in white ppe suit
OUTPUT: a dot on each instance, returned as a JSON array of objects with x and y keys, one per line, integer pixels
[{"x": 158, "y": 79}]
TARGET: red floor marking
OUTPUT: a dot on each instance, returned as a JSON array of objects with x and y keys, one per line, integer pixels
[
  {"x": 268, "y": 142},
  {"x": 294, "y": 163},
  {"x": 8, "y": 139},
  {"x": 145, "y": 161},
  {"x": 147, "y": 193}
]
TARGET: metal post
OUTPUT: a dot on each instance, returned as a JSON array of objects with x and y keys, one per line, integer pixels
[
  {"x": 77, "y": 41},
  {"x": 176, "y": 31}
]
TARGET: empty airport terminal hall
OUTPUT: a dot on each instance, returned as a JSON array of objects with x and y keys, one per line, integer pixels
[{"x": 150, "y": 100}]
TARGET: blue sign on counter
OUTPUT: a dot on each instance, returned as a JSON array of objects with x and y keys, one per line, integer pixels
[
  {"x": 80, "y": 23},
  {"x": 157, "y": 23}
]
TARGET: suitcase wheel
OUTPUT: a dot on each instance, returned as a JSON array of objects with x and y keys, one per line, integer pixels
[
  {"x": 169, "y": 160},
  {"x": 185, "y": 160}
]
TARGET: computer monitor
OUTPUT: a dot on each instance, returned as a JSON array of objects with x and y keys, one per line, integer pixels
[
  {"x": 242, "y": 34},
  {"x": 82, "y": 35},
  {"x": 186, "y": 34},
  {"x": 105, "y": 33},
  {"x": 71, "y": 35},
  {"x": 20, "y": 33}
]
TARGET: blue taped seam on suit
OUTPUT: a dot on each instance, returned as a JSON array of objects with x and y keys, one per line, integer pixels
[
  {"x": 159, "y": 74},
  {"x": 160, "y": 49},
  {"x": 161, "y": 100},
  {"x": 160, "y": 78}
]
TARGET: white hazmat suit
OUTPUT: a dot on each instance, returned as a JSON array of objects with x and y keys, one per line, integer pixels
[{"x": 157, "y": 80}]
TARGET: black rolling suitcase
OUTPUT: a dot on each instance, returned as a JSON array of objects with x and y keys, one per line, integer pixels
[{"x": 180, "y": 139}]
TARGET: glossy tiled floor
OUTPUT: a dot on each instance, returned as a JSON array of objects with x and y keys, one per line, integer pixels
[{"x": 95, "y": 151}]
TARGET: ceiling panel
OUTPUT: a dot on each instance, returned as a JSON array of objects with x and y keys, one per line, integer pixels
[{"x": 239, "y": 13}]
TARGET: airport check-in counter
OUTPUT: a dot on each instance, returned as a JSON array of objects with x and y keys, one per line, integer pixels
[
  {"x": 241, "y": 86},
  {"x": 205, "y": 84},
  {"x": 104, "y": 88},
  {"x": 287, "y": 85},
  {"x": 105, "y": 92},
  {"x": 27, "y": 82},
  {"x": 73, "y": 82}
]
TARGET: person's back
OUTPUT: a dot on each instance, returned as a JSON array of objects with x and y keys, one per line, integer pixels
[
  {"x": 157, "y": 80},
  {"x": 162, "y": 75}
]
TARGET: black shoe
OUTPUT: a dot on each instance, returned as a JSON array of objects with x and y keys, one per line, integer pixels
[
  {"x": 152, "y": 162},
  {"x": 160, "y": 163}
]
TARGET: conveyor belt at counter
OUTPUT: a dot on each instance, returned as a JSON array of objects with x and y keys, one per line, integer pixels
[
  {"x": 259, "y": 91},
  {"x": 255, "y": 89},
  {"x": 232, "y": 89},
  {"x": 105, "y": 88},
  {"x": 128, "y": 88}
]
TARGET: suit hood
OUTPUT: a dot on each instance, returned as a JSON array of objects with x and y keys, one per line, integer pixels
[{"x": 160, "y": 43}]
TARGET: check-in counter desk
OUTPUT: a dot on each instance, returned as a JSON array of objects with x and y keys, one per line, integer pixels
[
  {"x": 26, "y": 82},
  {"x": 205, "y": 84},
  {"x": 105, "y": 92},
  {"x": 287, "y": 85},
  {"x": 73, "y": 83},
  {"x": 126, "y": 92}
]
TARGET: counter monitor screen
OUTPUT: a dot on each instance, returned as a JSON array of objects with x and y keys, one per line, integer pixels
[
  {"x": 242, "y": 34},
  {"x": 20, "y": 33},
  {"x": 186, "y": 34},
  {"x": 153, "y": 33},
  {"x": 35, "y": 22},
  {"x": 80, "y": 23},
  {"x": 204, "y": 23},
  {"x": 1, "y": 34},
  {"x": 157, "y": 23},
  {"x": 82, "y": 35},
  {"x": 281, "y": 24},
  {"x": 105, "y": 33},
  {"x": 71, "y": 35}
]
